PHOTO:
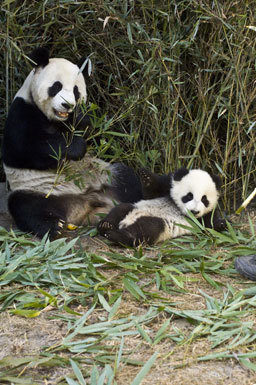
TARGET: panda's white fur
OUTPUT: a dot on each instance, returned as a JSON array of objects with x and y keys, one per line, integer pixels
[
  {"x": 161, "y": 208},
  {"x": 35, "y": 88},
  {"x": 93, "y": 171},
  {"x": 199, "y": 183},
  {"x": 42, "y": 125},
  {"x": 156, "y": 220}
]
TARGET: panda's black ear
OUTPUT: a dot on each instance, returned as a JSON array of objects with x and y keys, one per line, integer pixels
[
  {"x": 180, "y": 173},
  {"x": 40, "y": 56},
  {"x": 217, "y": 181}
]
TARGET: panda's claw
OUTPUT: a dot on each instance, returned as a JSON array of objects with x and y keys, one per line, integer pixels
[
  {"x": 107, "y": 225},
  {"x": 61, "y": 223},
  {"x": 145, "y": 177}
]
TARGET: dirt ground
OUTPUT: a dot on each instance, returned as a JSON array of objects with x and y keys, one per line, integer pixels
[{"x": 21, "y": 337}]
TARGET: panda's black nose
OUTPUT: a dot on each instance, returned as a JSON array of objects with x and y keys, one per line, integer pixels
[
  {"x": 194, "y": 212},
  {"x": 68, "y": 106}
]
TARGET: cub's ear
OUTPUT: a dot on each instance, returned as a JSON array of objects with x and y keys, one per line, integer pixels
[
  {"x": 180, "y": 173},
  {"x": 217, "y": 181},
  {"x": 40, "y": 57}
]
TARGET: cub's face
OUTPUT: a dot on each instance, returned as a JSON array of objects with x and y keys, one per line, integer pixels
[
  {"x": 57, "y": 88},
  {"x": 196, "y": 192}
]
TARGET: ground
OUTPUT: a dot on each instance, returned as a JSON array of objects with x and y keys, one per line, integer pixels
[{"x": 178, "y": 314}]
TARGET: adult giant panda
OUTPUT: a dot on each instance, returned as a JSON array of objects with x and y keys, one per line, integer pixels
[
  {"x": 159, "y": 217},
  {"x": 44, "y": 147}
]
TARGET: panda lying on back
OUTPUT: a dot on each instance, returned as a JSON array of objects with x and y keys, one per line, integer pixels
[
  {"x": 158, "y": 218},
  {"x": 42, "y": 134}
]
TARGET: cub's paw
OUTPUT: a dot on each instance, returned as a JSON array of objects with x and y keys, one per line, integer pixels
[
  {"x": 220, "y": 225},
  {"x": 104, "y": 227},
  {"x": 145, "y": 176}
]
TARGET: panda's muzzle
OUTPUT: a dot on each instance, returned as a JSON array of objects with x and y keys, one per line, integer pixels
[
  {"x": 64, "y": 114},
  {"x": 61, "y": 114}
]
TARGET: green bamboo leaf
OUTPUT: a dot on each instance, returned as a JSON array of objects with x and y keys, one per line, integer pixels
[
  {"x": 70, "y": 311},
  {"x": 144, "y": 334},
  {"x": 129, "y": 33},
  {"x": 70, "y": 381},
  {"x": 144, "y": 371},
  {"x": 161, "y": 332},
  {"x": 77, "y": 372},
  {"x": 94, "y": 376},
  {"x": 120, "y": 352},
  {"x": 113, "y": 133},
  {"x": 247, "y": 363},
  {"x": 114, "y": 308},
  {"x": 26, "y": 313},
  {"x": 134, "y": 289},
  {"x": 210, "y": 280},
  {"x": 104, "y": 302},
  {"x": 16, "y": 380}
]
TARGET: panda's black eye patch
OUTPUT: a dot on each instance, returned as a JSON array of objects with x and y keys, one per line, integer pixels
[
  {"x": 76, "y": 93},
  {"x": 54, "y": 89},
  {"x": 205, "y": 201},
  {"x": 188, "y": 197}
]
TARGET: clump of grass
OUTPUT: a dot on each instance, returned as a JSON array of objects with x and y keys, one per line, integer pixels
[{"x": 177, "y": 77}]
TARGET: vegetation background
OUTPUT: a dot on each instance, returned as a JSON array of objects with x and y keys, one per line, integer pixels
[
  {"x": 174, "y": 85},
  {"x": 175, "y": 79}
]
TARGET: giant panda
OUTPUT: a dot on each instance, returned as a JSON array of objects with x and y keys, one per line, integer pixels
[
  {"x": 158, "y": 218},
  {"x": 53, "y": 181}
]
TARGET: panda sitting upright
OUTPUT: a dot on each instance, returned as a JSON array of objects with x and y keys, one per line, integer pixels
[
  {"x": 44, "y": 145},
  {"x": 159, "y": 217}
]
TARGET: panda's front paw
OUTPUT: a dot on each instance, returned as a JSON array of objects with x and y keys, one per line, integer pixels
[
  {"x": 145, "y": 176},
  {"x": 58, "y": 229},
  {"x": 104, "y": 227},
  {"x": 220, "y": 224}
]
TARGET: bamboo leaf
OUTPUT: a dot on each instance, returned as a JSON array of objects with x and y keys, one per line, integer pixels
[{"x": 144, "y": 371}]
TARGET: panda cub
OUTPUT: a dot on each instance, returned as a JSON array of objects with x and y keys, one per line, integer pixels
[
  {"x": 158, "y": 218},
  {"x": 53, "y": 181}
]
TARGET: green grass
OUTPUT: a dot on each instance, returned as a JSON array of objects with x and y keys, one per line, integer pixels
[
  {"x": 175, "y": 78},
  {"x": 35, "y": 275}
]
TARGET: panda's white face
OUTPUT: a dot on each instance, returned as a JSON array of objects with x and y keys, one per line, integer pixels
[
  {"x": 195, "y": 192},
  {"x": 57, "y": 87}
]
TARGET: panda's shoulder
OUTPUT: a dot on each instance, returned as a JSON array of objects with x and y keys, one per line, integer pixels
[
  {"x": 20, "y": 107},
  {"x": 24, "y": 115}
]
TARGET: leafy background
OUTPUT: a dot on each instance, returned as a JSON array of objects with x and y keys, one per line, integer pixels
[
  {"x": 176, "y": 78},
  {"x": 174, "y": 84}
]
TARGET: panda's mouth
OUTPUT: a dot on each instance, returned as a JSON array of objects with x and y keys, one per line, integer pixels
[{"x": 61, "y": 114}]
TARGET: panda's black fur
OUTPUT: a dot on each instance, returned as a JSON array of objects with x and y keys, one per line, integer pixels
[
  {"x": 168, "y": 198},
  {"x": 43, "y": 132}
]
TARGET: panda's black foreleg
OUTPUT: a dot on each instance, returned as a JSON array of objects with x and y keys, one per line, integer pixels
[
  {"x": 145, "y": 230},
  {"x": 114, "y": 217},
  {"x": 122, "y": 237},
  {"x": 34, "y": 213},
  {"x": 214, "y": 221},
  {"x": 153, "y": 185}
]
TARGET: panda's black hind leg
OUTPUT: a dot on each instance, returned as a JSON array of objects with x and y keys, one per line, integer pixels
[
  {"x": 121, "y": 237},
  {"x": 34, "y": 213}
]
